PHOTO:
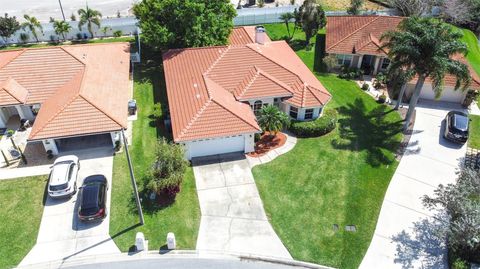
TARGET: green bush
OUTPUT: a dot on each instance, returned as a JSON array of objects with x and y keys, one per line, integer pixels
[
  {"x": 382, "y": 98},
  {"x": 350, "y": 73},
  {"x": 321, "y": 126},
  {"x": 365, "y": 87},
  {"x": 117, "y": 33}
]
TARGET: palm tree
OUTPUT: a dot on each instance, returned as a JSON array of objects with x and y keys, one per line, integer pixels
[
  {"x": 32, "y": 24},
  {"x": 272, "y": 120},
  {"x": 426, "y": 46},
  {"x": 286, "y": 18},
  {"x": 89, "y": 16},
  {"x": 62, "y": 28}
]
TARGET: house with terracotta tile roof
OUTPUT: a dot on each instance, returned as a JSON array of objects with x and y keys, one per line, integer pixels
[
  {"x": 214, "y": 93},
  {"x": 69, "y": 93},
  {"x": 355, "y": 41}
]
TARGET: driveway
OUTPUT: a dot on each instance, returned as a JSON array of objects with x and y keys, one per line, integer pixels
[
  {"x": 403, "y": 237},
  {"x": 233, "y": 219},
  {"x": 61, "y": 234}
]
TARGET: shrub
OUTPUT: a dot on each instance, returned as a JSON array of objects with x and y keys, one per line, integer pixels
[
  {"x": 350, "y": 73},
  {"x": 382, "y": 98},
  {"x": 365, "y": 87},
  {"x": 330, "y": 62},
  {"x": 117, "y": 33},
  {"x": 24, "y": 37},
  {"x": 157, "y": 111},
  {"x": 79, "y": 36},
  {"x": 168, "y": 169},
  {"x": 272, "y": 120},
  {"x": 318, "y": 127}
]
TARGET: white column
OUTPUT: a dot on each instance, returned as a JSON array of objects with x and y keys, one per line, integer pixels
[
  {"x": 49, "y": 144},
  {"x": 249, "y": 142},
  {"x": 375, "y": 66},
  {"x": 359, "y": 64},
  {"x": 20, "y": 112},
  {"x": 27, "y": 112},
  {"x": 3, "y": 120}
]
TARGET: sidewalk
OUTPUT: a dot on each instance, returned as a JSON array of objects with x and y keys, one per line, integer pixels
[{"x": 271, "y": 155}]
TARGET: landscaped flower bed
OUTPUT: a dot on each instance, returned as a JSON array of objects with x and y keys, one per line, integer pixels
[{"x": 268, "y": 142}]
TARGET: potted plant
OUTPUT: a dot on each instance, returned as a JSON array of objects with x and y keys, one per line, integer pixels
[
  {"x": 10, "y": 132},
  {"x": 365, "y": 87},
  {"x": 382, "y": 98}
]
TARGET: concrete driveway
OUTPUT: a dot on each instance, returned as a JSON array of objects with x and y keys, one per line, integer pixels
[
  {"x": 403, "y": 237},
  {"x": 61, "y": 234},
  {"x": 233, "y": 219}
]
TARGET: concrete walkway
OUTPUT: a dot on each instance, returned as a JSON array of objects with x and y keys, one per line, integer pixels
[
  {"x": 271, "y": 155},
  {"x": 61, "y": 235},
  {"x": 403, "y": 237},
  {"x": 233, "y": 219}
]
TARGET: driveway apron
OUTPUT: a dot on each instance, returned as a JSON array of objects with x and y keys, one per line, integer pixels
[
  {"x": 403, "y": 238},
  {"x": 233, "y": 219},
  {"x": 61, "y": 234}
]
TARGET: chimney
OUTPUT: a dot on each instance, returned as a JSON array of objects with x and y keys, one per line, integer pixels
[{"x": 260, "y": 34}]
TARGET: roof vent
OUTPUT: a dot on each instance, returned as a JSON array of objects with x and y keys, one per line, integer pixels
[{"x": 260, "y": 34}]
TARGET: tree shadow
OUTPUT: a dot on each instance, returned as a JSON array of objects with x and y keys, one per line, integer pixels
[
  {"x": 370, "y": 131},
  {"x": 424, "y": 247}
]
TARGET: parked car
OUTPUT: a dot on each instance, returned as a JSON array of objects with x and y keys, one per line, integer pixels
[
  {"x": 456, "y": 127},
  {"x": 93, "y": 196},
  {"x": 63, "y": 177}
]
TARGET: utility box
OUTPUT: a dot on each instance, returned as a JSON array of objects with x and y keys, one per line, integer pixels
[
  {"x": 171, "y": 242},
  {"x": 140, "y": 242}
]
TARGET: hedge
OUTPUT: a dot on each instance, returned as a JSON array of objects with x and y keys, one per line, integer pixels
[{"x": 321, "y": 126}]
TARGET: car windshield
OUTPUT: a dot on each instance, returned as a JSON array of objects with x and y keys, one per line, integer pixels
[
  {"x": 58, "y": 187},
  {"x": 460, "y": 122}
]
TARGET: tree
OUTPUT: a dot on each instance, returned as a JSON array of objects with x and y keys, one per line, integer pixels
[
  {"x": 168, "y": 169},
  {"x": 427, "y": 46},
  {"x": 73, "y": 17},
  {"x": 89, "y": 16},
  {"x": 461, "y": 201},
  {"x": 465, "y": 13},
  {"x": 355, "y": 6},
  {"x": 8, "y": 27},
  {"x": 272, "y": 120},
  {"x": 409, "y": 8},
  {"x": 24, "y": 37},
  {"x": 185, "y": 23},
  {"x": 310, "y": 17},
  {"x": 105, "y": 30},
  {"x": 32, "y": 24},
  {"x": 400, "y": 76},
  {"x": 287, "y": 18},
  {"x": 62, "y": 28}
]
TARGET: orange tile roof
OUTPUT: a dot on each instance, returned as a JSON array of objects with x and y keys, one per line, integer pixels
[
  {"x": 12, "y": 93},
  {"x": 358, "y": 34},
  {"x": 82, "y": 89},
  {"x": 244, "y": 35},
  {"x": 205, "y": 86}
]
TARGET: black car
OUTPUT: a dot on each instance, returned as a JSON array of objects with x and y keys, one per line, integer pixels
[
  {"x": 456, "y": 127},
  {"x": 93, "y": 196}
]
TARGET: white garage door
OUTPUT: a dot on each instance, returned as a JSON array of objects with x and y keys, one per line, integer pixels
[
  {"x": 216, "y": 146},
  {"x": 448, "y": 94}
]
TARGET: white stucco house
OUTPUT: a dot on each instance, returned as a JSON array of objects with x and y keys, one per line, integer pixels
[{"x": 214, "y": 93}]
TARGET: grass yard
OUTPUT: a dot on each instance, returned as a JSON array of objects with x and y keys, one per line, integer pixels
[
  {"x": 341, "y": 5},
  {"x": 473, "y": 55},
  {"x": 95, "y": 41},
  {"x": 21, "y": 211},
  {"x": 183, "y": 216},
  {"x": 474, "y": 139},
  {"x": 340, "y": 178}
]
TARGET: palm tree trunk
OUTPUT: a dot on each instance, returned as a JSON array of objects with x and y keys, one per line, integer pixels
[
  {"x": 288, "y": 29},
  {"x": 400, "y": 96},
  {"x": 414, "y": 101},
  {"x": 90, "y": 29}
]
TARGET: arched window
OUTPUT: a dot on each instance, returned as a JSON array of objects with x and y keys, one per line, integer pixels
[{"x": 257, "y": 106}]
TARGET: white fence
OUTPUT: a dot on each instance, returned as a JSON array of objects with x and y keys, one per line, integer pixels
[{"x": 128, "y": 25}]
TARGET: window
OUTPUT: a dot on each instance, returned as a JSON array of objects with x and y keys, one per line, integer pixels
[
  {"x": 70, "y": 171},
  {"x": 343, "y": 59},
  {"x": 257, "y": 106},
  {"x": 385, "y": 63},
  {"x": 309, "y": 114},
  {"x": 293, "y": 112}
]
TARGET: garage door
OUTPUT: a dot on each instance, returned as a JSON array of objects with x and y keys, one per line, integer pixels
[
  {"x": 84, "y": 142},
  {"x": 448, "y": 94},
  {"x": 216, "y": 146}
]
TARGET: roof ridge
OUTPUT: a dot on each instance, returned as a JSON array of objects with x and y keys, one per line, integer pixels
[
  {"x": 195, "y": 117},
  {"x": 75, "y": 57},
  {"x": 375, "y": 18},
  {"x": 216, "y": 61},
  {"x": 252, "y": 80},
  {"x": 101, "y": 110},
  {"x": 275, "y": 80}
]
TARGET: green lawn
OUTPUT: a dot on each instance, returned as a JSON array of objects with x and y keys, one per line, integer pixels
[
  {"x": 21, "y": 211},
  {"x": 340, "y": 178},
  {"x": 183, "y": 216},
  {"x": 474, "y": 139},
  {"x": 473, "y": 55},
  {"x": 94, "y": 41}
]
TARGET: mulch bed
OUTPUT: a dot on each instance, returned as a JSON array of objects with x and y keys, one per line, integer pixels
[{"x": 268, "y": 143}]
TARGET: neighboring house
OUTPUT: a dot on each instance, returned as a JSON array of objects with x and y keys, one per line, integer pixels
[
  {"x": 215, "y": 92},
  {"x": 355, "y": 41},
  {"x": 72, "y": 94}
]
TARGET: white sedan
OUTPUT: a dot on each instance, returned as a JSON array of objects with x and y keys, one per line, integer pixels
[{"x": 63, "y": 177}]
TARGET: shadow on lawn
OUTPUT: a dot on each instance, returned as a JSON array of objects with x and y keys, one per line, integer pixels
[{"x": 362, "y": 129}]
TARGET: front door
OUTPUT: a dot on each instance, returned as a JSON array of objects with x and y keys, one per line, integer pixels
[{"x": 367, "y": 64}]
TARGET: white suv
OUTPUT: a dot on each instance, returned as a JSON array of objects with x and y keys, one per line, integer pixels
[{"x": 63, "y": 177}]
